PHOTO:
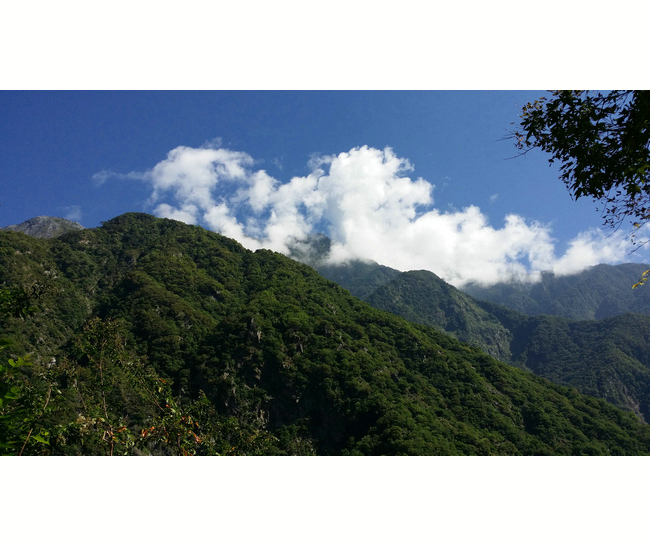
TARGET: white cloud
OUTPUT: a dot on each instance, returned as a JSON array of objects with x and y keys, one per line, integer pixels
[
  {"x": 186, "y": 214},
  {"x": 73, "y": 213},
  {"x": 367, "y": 204},
  {"x": 100, "y": 177},
  {"x": 193, "y": 173},
  {"x": 590, "y": 248}
]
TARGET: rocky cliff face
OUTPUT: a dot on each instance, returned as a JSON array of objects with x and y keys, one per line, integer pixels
[{"x": 45, "y": 227}]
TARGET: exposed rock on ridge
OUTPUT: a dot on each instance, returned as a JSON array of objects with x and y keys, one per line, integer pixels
[{"x": 45, "y": 227}]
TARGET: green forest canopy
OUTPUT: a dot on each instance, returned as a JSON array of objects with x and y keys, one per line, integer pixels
[{"x": 163, "y": 338}]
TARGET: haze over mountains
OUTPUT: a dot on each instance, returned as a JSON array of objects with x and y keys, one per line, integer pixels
[{"x": 291, "y": 362}]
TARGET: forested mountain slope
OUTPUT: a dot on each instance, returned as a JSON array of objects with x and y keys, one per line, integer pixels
[
  {"x": 158, "y": 337},
  {"x": 608, "y": 358},
  {"x": 422, "y": 297},
  {"x": 361, "y": 278},
  {"x": 597, "y": 293}
]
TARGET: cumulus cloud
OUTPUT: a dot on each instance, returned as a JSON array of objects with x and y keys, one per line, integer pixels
[
  {"x": 367, "y": 202},
  {"x": 590, "y": 248}
]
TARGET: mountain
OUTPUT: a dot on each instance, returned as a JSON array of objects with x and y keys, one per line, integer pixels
[
  {"x": 422, "y": 297},
  {"x": 596, "y": 293},
  {"x": 609, "y": 359},
  {"x": 45, "y": 227},
  {"x": 361, "y": 278},
  {"x": 156, "y": 337}
]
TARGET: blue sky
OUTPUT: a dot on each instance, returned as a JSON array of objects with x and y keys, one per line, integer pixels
[
  {"x": 53, "y": 144},
  {"x": 89, "y": 156},
  {"x": 56, "y": 141}
]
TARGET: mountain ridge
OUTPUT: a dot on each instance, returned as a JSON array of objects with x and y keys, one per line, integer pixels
[
  {"x": 277, "y": 350},
  {"x": 605, "y": 358},
  {"x": 45, "y": 227},
  {"x": 598, "y": 292},
  {"x": 510, "y": 336}
]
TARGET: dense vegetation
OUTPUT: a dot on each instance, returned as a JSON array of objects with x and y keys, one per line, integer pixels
[
  {"x": 422, "y": 297},
  {"x": 597, "y": 293},
  {"x": 361, "y": 278},
  {"x": 148, "y": 336},
  {"x": 608, "y": 358}
]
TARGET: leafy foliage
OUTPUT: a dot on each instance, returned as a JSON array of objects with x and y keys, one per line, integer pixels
[
  {"x": 163, "y": 338},
  {"x": 603, "y": 143}
]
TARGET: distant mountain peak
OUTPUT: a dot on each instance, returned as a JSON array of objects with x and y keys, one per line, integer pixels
[
  {"x": 312, "y": 250},
  {"x": 45, "y": 227}
]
